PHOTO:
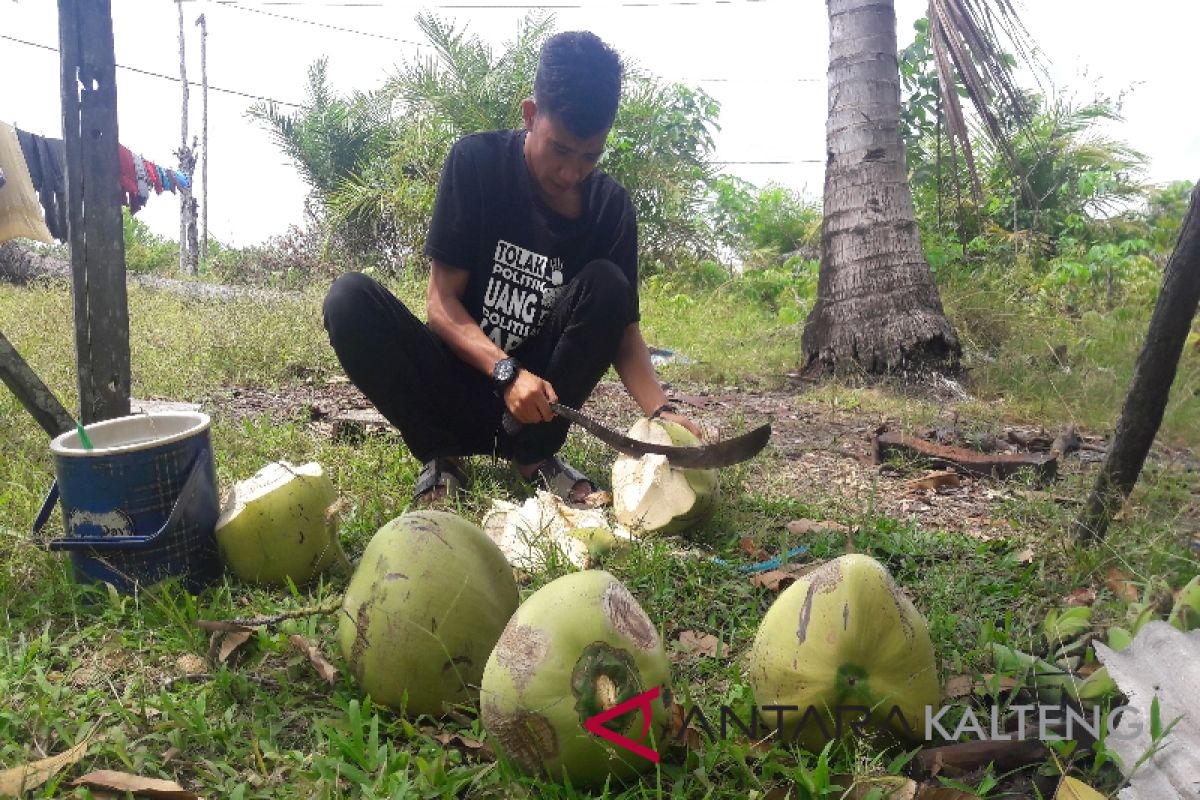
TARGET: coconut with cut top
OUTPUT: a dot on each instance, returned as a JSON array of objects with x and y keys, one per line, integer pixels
[
  {"x": 651, "y": 496},
  {"x": 280, "y": 525}
]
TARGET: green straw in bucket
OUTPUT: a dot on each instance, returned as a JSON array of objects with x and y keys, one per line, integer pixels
[{"x": 83, "y": 437}]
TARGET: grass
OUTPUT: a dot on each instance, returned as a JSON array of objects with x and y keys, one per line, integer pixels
[{"x": 74, "y": 658}]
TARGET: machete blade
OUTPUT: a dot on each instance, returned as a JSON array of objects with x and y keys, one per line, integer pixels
[{"x": 705, "y": 456}]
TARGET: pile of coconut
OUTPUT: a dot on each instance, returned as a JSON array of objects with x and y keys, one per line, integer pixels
[{"x": 574, "y": 683}]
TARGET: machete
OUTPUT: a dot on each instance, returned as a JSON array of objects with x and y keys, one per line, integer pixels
[{"x": 705, "y": 456}]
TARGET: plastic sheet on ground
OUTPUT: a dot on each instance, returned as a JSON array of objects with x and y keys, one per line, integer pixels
[{"x": 1162, "y": 662}]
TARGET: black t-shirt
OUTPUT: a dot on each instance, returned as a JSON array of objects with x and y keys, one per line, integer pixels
[{"x": 520, "y": 252}]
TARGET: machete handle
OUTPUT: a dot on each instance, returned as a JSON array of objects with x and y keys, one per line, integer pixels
[{"x": 512, "y": 426}]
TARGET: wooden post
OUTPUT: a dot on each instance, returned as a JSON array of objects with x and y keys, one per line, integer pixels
[
  {"x": 31, "y": 392},
  {"x": 89, "y": 113},
  {"x": 1152, "y": 378},
  {"x": 203, "y": 137},
  {"x": 187, "y": 163}
]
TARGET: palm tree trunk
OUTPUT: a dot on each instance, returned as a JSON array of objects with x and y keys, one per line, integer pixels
[
  {"x": 1153, "y": 375},
  {"x": 877, "y": 304}
]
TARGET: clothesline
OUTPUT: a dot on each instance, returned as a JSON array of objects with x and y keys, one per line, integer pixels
[{"x": 40, "y": 163}]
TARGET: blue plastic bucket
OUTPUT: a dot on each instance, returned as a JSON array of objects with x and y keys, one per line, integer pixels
[{"x": 141, "y": 505}]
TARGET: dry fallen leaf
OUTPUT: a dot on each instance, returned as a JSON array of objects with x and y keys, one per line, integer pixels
[
  {"x": 933, "y": 791},
  {"x": 465, "y": 744},
  {"x": 933, "y": 481},
  {"x": 750, "y": 548},
  {"x": 958, "y": 686},
  {"x": 16, "y": 781},
  {"x": 1025, "y": 556},
  {"x": 890, "y": 787},
  {"x": 111, "y": 780},
  {"x": 315, "y": 657},
  {"x": 1075, "y": 789},
  {"x": 700, "y": 643},
  {"x": 226, "y": 644},
  {"x": 1121, "y": 585},
  {"x": 776, "y": 580},
  {"x": 1080, "y": 597},
  {"x": 800, "y": 527},
  {"x": 221, "y": 626}
]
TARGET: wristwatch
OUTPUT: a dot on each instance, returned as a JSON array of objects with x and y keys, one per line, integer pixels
[{"x": 504, "y": 373}]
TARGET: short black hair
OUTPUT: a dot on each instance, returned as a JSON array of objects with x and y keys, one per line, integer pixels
[{"x": 579, "y": 82}]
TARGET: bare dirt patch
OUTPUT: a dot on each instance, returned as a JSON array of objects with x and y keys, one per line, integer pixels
[{"x": 818, "y": 454}]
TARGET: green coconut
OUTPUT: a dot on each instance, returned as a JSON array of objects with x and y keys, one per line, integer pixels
[
  {"x": 423, "y": 610},
  {"x": 651, "y": 496},
  {"x": 840, "y": 640},
  {"x": 281, "y": 524},
  {"x": 579, "y": 646}
]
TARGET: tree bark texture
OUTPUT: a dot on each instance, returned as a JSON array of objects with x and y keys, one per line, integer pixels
[
  {"x": 187, "y": 164},
  {"x": 89, "y": 114},
  {"x": 1153, "y": 375},
  {"x": 203, "y": 137},
  {"x": 877, "y": 305}
]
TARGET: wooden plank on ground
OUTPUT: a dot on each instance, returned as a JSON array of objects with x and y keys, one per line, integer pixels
[
  {"x": 999, "y": 465},
  {"x": 89, "y": 113}
]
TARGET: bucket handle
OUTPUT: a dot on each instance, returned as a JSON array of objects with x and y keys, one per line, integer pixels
[{"x": 191, "y": 487}]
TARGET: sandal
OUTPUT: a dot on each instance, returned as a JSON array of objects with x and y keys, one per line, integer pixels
[
  {"x": 559, "y": 478},
  {"x": 443, "y": 472}
]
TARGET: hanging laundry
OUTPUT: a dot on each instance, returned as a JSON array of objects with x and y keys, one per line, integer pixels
[
  {"x": 143, "y": 183},
  {"x": 47, "y": 162},
  {"x": 53, "y": 191},
  {"x": 152, "y": 176},
  {"x": 19, "y": 212},
  {"x": 164, "y": 180},
  {"x": 183, "y": 180},
  {"x": 128, "y": 179}
]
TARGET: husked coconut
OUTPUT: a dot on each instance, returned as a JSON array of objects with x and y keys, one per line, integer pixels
[
  {"x": 281, "y": 524},
  {"x": 651, "y": 496},
  {"x": 545, "y": 529},
  {"x": 423, "y": 610},
  {"x": 579, "y": 647},
  {"x": 841, "y": 643}
]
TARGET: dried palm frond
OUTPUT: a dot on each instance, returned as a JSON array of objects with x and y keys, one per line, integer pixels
[{"x": 966, "y": 37}]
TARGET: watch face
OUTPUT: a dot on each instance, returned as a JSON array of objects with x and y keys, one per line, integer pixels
[{"x": 505, "y": 371}]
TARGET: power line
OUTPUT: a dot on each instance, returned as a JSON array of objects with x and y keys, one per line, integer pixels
[
  {"x": 238, "y": 7},
  {"x": 280, "y": 102},
  {"x": 165, "y": 77}
]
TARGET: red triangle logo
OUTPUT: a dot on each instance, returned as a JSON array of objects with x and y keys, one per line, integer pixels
[{"x": 596, "y": 724}]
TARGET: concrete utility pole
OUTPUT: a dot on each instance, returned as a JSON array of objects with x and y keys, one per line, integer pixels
[
  {"x": 89, "y": 120},
  {"x": 187, "y": 163},
  {"x": 203, "y": 138}
]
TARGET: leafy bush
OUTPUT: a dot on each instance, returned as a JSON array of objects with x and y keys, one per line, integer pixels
[
  {"x": 763, "y": 227},
  {"x": 294, "y": 260},
  {"x": 146, "y": 251}
]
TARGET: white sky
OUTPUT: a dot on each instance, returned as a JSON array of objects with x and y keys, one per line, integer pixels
[{"x": 768, "y": 56}]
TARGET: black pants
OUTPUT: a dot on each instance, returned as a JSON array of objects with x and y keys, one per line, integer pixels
[{"x": 442, "y": 406}]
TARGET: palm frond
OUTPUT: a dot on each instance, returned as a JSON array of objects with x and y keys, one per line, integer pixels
[{"x": 967, "y": 37}]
